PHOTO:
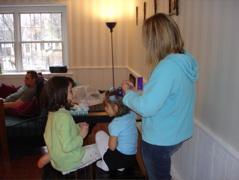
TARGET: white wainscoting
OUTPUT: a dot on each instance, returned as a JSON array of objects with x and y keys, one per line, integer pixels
[
  {"x": 18, "y": 79},
  {"x": 100, "y": 78},
  {"x": 205, "y": 157}
]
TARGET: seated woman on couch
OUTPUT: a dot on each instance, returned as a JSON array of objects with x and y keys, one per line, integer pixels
[{"x": 25, "y": 93}]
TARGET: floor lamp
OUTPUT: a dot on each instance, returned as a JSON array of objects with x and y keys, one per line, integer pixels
[{"x": 111, "y": 25}]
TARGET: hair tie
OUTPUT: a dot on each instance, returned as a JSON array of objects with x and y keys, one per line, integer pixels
[
  {"x": 111, "y": 89},
  {"x": 119, "y": 92}
]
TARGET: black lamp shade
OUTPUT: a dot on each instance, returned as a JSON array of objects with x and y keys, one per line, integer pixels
[{"x": 111, "y": 25}]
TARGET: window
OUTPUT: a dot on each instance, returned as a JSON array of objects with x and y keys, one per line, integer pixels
[{"x": 32, "y": 37}]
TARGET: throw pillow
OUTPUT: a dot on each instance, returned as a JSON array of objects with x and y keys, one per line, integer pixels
[{"x": 6, "y": 90}]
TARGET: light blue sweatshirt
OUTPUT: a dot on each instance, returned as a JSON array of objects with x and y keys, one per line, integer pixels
[{"x": 167, "y": 102}]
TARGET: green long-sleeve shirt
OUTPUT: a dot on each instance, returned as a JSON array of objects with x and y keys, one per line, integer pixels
[{"x": 62, "y": 140}]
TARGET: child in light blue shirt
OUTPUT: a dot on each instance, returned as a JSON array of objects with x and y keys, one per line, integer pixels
[{"x": 118, "y": 149}]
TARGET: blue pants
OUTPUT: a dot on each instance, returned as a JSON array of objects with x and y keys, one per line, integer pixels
[{"x": 157, "y": 160}]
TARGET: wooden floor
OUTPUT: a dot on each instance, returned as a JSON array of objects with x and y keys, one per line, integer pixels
[{"x": 22, "y": 165}]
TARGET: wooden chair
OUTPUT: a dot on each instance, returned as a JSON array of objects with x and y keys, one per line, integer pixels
[
  {"x": 50, "y": 173},
  {"x": 3, "y": 135}
]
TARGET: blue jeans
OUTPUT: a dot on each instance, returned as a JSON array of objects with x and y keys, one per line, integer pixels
[{"x": 157, "y": 160}]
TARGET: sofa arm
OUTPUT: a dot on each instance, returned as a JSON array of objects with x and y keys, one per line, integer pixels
[{"x": 4, "y": 154}]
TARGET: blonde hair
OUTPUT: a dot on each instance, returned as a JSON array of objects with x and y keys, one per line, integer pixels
[{"x": 161, "y": 37}]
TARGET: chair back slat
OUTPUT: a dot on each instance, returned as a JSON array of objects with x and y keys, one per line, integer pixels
[{"x": 4, "y": 154}]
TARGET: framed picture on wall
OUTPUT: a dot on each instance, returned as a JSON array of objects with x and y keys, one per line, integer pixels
[
  {"x": 155, "y": 6},
  {"x": 145, "y": 10},
  {"x": 173, "y": 7},
  {"x": 137, "y": 15}
]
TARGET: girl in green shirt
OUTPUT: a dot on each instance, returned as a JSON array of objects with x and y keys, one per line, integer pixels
[{"x": 63, "y": 137}]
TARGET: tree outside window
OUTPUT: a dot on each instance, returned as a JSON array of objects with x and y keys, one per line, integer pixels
[{"x": 31, "y": 41}]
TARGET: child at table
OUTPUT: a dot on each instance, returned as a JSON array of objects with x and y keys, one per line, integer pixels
[
  {"x": 118, "y": 151},
  {"x": 63, "y": 137}
]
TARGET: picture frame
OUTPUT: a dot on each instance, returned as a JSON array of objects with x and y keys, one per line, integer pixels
[
  {"x": 173, "y": 7},
  {"x": 145, "y": 6},
  {"x": 155, "y": 6},
  {"x": 137, "y": 15}
]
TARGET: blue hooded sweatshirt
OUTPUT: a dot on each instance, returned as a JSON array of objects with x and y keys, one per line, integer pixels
[{"x": 167, "y": 102}]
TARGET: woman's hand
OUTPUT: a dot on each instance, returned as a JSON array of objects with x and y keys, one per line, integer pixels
[{"x": 127, "y": 85}]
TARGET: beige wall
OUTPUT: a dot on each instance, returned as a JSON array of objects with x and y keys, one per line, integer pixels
[
  {"x": 210, "y": 29},
  {"x": 89, "y": 37}
]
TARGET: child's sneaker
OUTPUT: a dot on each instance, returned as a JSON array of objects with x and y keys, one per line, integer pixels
[
  {"x": 100, "y": 164},
  {"x": 121, "y": 169}
]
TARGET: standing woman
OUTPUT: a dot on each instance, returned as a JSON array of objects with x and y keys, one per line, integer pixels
[{"x": 167, "y": 101}]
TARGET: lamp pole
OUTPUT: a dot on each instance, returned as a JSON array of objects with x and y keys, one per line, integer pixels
[{"x": 111, "y": 25}]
